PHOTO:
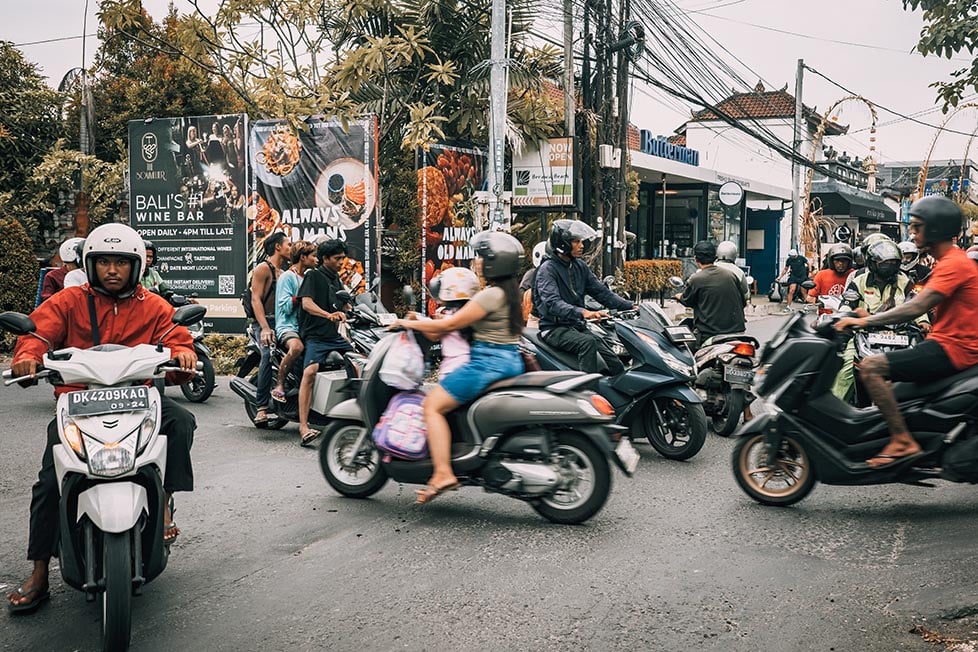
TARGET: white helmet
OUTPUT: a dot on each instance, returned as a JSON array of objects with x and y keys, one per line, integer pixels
[
  {"x": 540, "y": 251},
  {"x": 455, "y": 284},
  {"x": 908, "y": 248},
  {"x": 727, "y": 250},
  {"x": 117, "y": 240},
  {"x": 70, "y": 250}
]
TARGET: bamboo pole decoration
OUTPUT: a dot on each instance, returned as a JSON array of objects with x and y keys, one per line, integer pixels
[
  {"x": 808, "y": 234},
  {"x": 922, "y": 173}
]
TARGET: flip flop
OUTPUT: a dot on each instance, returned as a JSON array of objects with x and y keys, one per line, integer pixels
[
  {"x": 169, "y": 540},
  {"x": 308, "y": 437},
  {"x": 261, "y": 419},
  {"x": 894, "y": 459},
  {"x": 430, "y": 492},
  {"x": 279, "y": 395},
  {"x": 39, "y": 597}
]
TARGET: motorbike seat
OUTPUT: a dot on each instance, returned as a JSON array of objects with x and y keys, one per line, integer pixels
[
  {"x": 732, "y": 337},
  {"x": 534, "y": 379},
  {"x": 906, "y": 391},
  {"x": 565, "y": 358},
  {"x": 844, "y": 421}
]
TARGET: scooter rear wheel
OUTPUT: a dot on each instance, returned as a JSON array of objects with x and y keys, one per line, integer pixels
[
  {"x": 726, "y": 420},
  {"x": 587, "y": 481},
  {"x": 355, "y": 477},
  {"x": 200, "y": 388},
  {"x": 680, "y": 433},
  {"x": 789, "y": 482}
]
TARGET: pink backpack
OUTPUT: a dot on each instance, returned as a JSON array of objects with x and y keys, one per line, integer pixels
[{"x": 401, "y": 430}]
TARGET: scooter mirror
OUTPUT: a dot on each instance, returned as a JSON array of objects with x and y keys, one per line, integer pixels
[
  {"x": 850, "y": 296},
  {"x": 189, "y": 314},
  {"x": 608, "y": 281},
  {"x": 409, "y": 299},
  {"x": 16, "y": 323},
  {"x": 345, "y": 297},
  {"x": 749, "y": 279},
  {"x": 676, "y": 282},
  {"x": 808, "y": 285}
]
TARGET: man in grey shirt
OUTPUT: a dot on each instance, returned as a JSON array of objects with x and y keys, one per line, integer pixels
[{"x": 714, "y": 294}]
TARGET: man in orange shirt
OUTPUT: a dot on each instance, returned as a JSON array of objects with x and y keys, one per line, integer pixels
[
  {"x": 952, "y": 292},
  {"x": 832, "y": 281}
]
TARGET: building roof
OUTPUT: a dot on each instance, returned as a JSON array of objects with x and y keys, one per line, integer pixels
[{"x": 761, "y": 104}]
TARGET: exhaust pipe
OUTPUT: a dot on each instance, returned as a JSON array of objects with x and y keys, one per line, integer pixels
[{"x": 244, "y": 389}]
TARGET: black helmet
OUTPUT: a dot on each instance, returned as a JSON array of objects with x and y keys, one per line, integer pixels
[
  {"x": 705, "y": 252},
  {"x": 883, "y": 260},
  {"x": 501, "y": 253},
  {"x": 840, "y": 251},
  {"x": 940, "y": 215},
  {"x": 150, "y": 247},
  {"x": 564, "y": 232}
]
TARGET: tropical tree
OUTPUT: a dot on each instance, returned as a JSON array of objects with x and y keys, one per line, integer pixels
[{"x": 950, "y": 26}]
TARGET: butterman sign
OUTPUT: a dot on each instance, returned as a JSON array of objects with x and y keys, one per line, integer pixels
[
  {"x": 543, "y": 176},
  {"x": 659, "y": 146}
]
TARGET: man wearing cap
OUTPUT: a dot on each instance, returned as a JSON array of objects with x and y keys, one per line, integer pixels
[
  {"x": 796, "y": 267},
  {"x": 714, "y": 294}
]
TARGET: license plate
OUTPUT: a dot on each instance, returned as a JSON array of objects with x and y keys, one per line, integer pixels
[
  {"x": 888, "y": 338},
  {"x": 680, "y": 334},
  {"x": 386, "y": 318},
  {"x": 736, "y": 374},
  {"x": 104, "y": 401},
  {"x": 627, "y": 454}
]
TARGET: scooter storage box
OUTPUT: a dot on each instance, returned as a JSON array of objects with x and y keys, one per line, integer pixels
[
  {"x": 960, "y": 462},
  {"x": 328, "y": 390}
]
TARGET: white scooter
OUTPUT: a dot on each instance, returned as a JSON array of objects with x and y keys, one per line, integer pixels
[{"x": 110, "y": 464}]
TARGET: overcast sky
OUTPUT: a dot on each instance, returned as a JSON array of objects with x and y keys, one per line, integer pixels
[{"x": 884, "y": 69}]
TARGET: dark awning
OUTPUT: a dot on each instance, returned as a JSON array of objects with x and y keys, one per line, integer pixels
[{"x": 839, "y": 200}]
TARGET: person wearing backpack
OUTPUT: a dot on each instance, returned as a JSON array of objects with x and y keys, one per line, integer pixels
[{"x": 277, "y": 249}]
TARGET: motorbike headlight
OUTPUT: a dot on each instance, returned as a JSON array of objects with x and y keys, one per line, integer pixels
[
  {"x": 73, "y": 434},
  {"x": 671, "y": 361},
  {"x": 116, "y": 458},
  {"x": 147, "y": 428}
]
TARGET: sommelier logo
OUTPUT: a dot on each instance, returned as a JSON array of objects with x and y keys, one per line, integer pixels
[{"x": 150, "y": 147}]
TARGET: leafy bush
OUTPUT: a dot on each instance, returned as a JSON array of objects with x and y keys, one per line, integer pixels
[
  {"x": 645, "y": 277},
  {"x": 18, "y": 268},
  {"x": 226, "y": 350}
]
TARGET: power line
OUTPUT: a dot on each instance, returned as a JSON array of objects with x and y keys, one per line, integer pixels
[{"x": 54, "y": 40}]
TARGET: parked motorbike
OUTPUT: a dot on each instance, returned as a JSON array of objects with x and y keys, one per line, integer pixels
[
  {"x": 808, "y": 435},
  {"x": 200, "y": 388},
  {"x": 540, "y": 437},
  {"x": 653, "y": 396},
  {"x": 109, "y": 463},
  {"x": 368, "y": 321}
]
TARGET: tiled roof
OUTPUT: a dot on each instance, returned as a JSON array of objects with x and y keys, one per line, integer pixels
[
  {"x": 678, "y": 139},
  {"x": 761, "y": 104},
  {"x": 634, "y": 138}
]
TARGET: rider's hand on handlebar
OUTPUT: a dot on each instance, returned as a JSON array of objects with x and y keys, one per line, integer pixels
[
  {"x": 850, "y": 322},
  {"x": 187, "y": 361},
  {"x": 594, "y": 314},
  {"x": 24, "y": 368}
]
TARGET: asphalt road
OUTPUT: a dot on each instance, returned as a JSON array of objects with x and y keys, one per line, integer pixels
[{"x": 679, "y": 559}]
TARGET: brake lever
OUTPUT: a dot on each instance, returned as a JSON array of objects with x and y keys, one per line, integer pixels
[{"x": 38, "y": 375}]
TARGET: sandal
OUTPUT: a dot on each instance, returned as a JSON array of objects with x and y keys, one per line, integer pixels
[
  {"x": 279, "y": 395},
  {"x": 261, "y": 418},
  {"x": 430, "y": 492},
  {"x": 308, "y": 437},
  {"x": 169, "y": 539},
  {"x": 40, "y": 595}
]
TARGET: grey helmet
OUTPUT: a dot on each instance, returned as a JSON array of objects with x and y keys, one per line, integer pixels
[
  {"x": 727, "y": 251},
  {"x": 564, "y": 232},
  {"x": 908, "y": 249},
  {"x": 502, "y": 254}
]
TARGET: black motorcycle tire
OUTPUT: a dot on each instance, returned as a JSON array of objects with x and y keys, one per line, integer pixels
[
  {"x": 200, "y": 388},
  {"x": 726, "y": 421},
  {"x": 573, "y": 446},
  {"x": 275, "y": 422},
  {"x": 745, "y": 472},
  {"x": 345, "y": 479},
  {"x": 693, "y": 418},
  {"x": 117, "y": 596}
]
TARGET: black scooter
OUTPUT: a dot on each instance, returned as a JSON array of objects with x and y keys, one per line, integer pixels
[
  {"x": 541, "y": 437},
  {"x": 809, "y": 435},
  {"x": 653, "y": 397}
]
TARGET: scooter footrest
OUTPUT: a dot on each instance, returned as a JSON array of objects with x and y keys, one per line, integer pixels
[{"x": 920, "y": 483}]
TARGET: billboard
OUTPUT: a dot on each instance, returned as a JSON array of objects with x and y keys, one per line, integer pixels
[
  {"x": 543, "y": 176},
  {"x": 448, "y": 178},
  {"x": 187, "y": 195},
  {"x": 317, "y": 180}
]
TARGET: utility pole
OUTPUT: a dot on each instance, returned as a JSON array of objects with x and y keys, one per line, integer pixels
[
  {"x": 569, "y": 67},
  {"x": 796, "y": 209},
  {"x": 497, "y": 116},
  {"x": 583, "y": 130}
]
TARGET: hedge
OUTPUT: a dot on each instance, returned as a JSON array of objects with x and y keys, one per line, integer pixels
[{"x": 642, "y": 278}]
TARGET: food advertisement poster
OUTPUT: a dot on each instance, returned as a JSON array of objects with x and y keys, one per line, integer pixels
[
  {"x": 448, "y": 178},
  {"x": 187, "y": 195},
  {"x": 543, "y": 175},
  {"x": 316, "y": 181}
]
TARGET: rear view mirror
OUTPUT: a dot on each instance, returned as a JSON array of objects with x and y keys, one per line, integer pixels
[
  {"x": 16, "y": 323},
  {"x": 410, "y": 300},
  {"x": 749, "y": 279},
  {"x": 808, "y": 285},
  {"x": 344, "y": 297},
  {"x": 850, "y": 296},
  {"x": 676, "y": 282},
  {"x": 189, "y": 314},
  {"x": 609, "y": 281}
]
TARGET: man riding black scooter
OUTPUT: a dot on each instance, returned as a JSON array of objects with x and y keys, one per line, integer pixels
[
  {"x": 952, "y": 292},
  {"x": 561, "y": 282}
]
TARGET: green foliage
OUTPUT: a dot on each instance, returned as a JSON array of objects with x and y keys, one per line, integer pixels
[
  {"x": 18, "y": 268},
  {"x": 226, "y": 350},
  {"x": 642, "y": 278},
  {"x": 950, "y": 26},
  {"x": 30, "y": 121}
]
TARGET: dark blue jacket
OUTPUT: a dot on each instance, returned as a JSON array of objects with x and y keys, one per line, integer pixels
[{"x": 559, "y": 290}]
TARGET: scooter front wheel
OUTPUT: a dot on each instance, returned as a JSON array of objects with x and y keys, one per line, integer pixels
[
  {"x": 675, "y": 428},
  {"x": 788, "y": 481},
  {"x": 586, "y": 481},
  {"x": 117, "y": 596},
  {"x": 355, "y": 474}
]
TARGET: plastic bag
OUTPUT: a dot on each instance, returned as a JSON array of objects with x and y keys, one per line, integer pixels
[
  {"x": 403, "y": 366},
  {"x": 401, "y": 430}
]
